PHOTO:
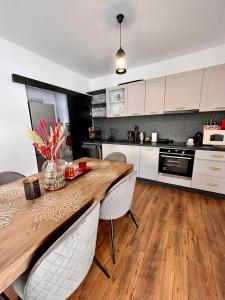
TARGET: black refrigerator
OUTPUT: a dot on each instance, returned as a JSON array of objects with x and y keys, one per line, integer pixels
[{"x": 79, "y": 107}]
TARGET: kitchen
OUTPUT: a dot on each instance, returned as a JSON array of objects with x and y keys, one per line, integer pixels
[{"x": 176, "y": 119}]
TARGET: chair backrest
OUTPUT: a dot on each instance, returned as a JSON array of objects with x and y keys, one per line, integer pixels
[
  {"x": 64, "y": 265},
  {"x": 119, "y": 198},
  {"x": 116, "y": 156},
  {"x": 7, "y": 177}
]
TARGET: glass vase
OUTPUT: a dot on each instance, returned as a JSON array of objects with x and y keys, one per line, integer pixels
[{"x": 54, "y": 175}]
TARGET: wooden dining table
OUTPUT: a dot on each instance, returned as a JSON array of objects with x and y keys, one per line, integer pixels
[{"x": 27, "y": 225}]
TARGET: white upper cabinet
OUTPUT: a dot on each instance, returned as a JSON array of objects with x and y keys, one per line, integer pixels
[
  {"x": 213, "y": 89},
  {"x": 136, "y": 98},
  {"x": 116, "y": 101},
  {"x": 155, "y": 96},
  {"x": 183, "y": 91}
]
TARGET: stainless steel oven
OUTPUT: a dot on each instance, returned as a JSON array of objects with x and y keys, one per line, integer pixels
[{"x": 176, "y": 161}]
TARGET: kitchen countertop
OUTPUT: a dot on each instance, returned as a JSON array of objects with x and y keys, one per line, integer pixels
[{"x": 161, "y": 145}]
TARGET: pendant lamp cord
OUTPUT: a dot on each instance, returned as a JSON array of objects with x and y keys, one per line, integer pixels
[{"x": 120, "y": 35}]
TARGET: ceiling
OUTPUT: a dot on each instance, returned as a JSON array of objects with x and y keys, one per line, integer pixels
[{"x": 83, "y": 35}]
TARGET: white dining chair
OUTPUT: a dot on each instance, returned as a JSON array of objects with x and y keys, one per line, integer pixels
[
  {"x": 117, "y": 203},
  {"x": 9, "y": 176},
  {"x": 116, "y": 156},
  {"x": 62, "y": 268}
]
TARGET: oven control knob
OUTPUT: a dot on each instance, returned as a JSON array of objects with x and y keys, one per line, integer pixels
[{"x": 183, "y": 152}]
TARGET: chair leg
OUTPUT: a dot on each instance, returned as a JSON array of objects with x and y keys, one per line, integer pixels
[
  {"x": 112, "y": 240},
  {"x": 132, "y": 217},
  {"x": 3, "y": 296},
  {"x": 98, "y": 264}
]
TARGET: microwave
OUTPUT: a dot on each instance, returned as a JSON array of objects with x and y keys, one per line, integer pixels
[{"x": 214, "y": 137}]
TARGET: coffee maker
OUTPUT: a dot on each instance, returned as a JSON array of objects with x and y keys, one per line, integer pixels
[{"x": 198, "y": 138}]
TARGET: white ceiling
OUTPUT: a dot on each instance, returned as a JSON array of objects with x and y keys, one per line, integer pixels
[{"x": 83, "y": 35}]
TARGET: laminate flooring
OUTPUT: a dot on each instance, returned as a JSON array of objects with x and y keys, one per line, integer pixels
[{"x": 178, "y": 252}]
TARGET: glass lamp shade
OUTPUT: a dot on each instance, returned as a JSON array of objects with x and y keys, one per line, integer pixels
[{"x": 120, "y": 62}]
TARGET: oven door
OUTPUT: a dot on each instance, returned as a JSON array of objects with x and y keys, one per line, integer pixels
[{"x": 176, "y": 165}]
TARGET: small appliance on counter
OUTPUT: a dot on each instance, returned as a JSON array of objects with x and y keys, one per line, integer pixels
[
  {"x": 154, "y": 137},
  {"x": 198, "y": 138},
  {"x": 94, "y": 133},
  {"x": 213, "y": 135},
  {"x": 141, "y": 136},
  {"x": 136, "y": 131},
  {"x": 190, "y": 141},
  {"x": 147, "y": 139}
]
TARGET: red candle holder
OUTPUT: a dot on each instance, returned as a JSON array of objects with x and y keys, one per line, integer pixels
[
  {"x": 70, "y": 171},
  {"x": 82, "y": 166}
]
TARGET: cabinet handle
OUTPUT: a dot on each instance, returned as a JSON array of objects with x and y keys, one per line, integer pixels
[
  {"x": 220, "y": 107},
  {"x": 214, "y": 168},
  {"x": 212, "y": 184},
  {"x": 217, "y": 156},
  {"x": 116, "y": 115},
  {"x": 182, "y": 107},
  {"x": 135, "y": 114},
  {"x": 154, "y": 112}
]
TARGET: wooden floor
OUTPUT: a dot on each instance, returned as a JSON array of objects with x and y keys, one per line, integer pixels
[{"x": 178, "y": 252}]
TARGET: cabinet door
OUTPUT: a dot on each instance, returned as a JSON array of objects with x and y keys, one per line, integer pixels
[
  {"x": 149, "y": 160},
  {"x": 110, "y": 148},
  {"x": 116, "y": 101},
  {"x": 183, "y": 91},
  {"x": 209, "y": 183},
  {"x": 213, "y": 89},
  {"x": 133, "y": 156},
  {"x": 155, "y": 96},
  {"x": 136, "y": 98}
]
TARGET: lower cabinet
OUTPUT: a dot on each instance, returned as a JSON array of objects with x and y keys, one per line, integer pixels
[
  {"x": 209, "y": 171},
  {"x": 133, "y": 156},
  {"x": 132, "y": 153},
  {"x": 144, "y": 159},
  {"x": 149, "y": 160},
  {"x": 109, "y": 148},
  {"x": 209, "y": 183}
]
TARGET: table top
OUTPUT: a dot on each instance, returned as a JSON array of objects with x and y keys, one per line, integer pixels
[{"x": 25, "y": 225}]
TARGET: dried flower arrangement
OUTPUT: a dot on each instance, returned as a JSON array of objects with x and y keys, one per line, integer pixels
[{"x": 48, "y": 142}]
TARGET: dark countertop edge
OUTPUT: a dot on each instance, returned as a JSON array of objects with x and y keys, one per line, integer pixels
[{"x": 160, "y": 145}]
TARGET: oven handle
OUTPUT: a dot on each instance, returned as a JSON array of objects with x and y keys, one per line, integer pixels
[{"x": 180, "y": 157}]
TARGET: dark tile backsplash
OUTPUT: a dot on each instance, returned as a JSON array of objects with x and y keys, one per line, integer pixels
[{"x": 177, "y": 127}]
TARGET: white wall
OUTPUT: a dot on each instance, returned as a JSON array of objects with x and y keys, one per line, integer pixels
[
  {"x": 197, "y": 60},
  {"x": 16, "y": 150}
]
